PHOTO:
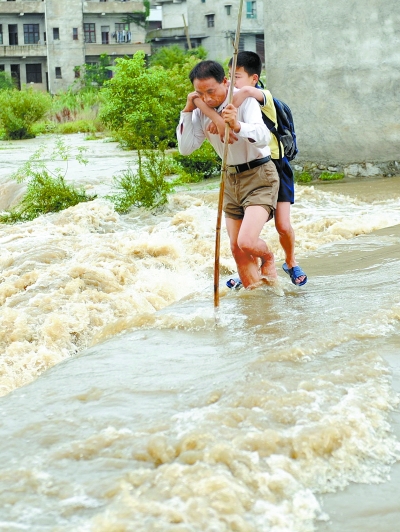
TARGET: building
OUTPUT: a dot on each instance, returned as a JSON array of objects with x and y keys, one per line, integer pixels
[
  {"x": 44, "y": 42},
  {"x": 211, "y": 24},
  {"x": 340, "y": 74}
]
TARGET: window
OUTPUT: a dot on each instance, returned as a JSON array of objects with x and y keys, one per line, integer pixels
[
  {"x": 90, "y": 32},
  {"x": 75, "y": 34},
  {"x": 12, "y": 34},
  {"x": 58, "y": 73},
  {"x": 251, "y": 11},
  {"x": 228, "y": 9},
  {"x": 103, "y": 0},
  {"x": 122, "y": 32},
  {"x": 56, "y": 34},
  {"x": 77, "y": 72},
  {"x": 203, "y": 1},
  {"x": 210, "y": 21},
  {"x": 105, "y": 35},
  {"x": 31, "y": 33},
  {"x": 34, "y": 73},
  {"x": 1, "y": 33},
  {"x": 1, "y": 68}
]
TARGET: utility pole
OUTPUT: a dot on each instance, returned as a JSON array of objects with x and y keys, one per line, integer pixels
[{"x": 187, "y": 33}]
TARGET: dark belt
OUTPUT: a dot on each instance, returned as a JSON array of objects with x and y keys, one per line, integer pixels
[{"x": 239, "y": 168}]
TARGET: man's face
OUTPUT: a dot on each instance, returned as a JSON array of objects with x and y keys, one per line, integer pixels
[
  {"x": 210, "y": 91},
  {"x": 242, "y": 78}
]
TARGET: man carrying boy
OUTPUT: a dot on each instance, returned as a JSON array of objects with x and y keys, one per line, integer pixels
[
  {"x": 246, "y": 78},
  {"x": 252, "y": 182}
]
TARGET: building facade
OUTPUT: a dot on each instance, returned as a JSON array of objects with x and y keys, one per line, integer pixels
[
  {"x": 211, "y": 24},
  {"x": 43, "y": 43},
  {"x": 340, "y": 74}
]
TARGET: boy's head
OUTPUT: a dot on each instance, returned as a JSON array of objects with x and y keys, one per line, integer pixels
[
  {"x": 248, "y": 69},
  {"x": 209, "y": 81}
]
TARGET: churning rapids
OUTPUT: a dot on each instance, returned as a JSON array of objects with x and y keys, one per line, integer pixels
[{"x": 127, "y": 407}]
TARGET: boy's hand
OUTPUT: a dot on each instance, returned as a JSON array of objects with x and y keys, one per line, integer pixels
[
  {"x": 229, "y": 115},
  {"x": 219, "y": 129},
  {"x": 190, "y": 105}
]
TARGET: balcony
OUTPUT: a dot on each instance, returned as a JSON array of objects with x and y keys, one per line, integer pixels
[
  {"x": 22, "y": 6},
  {"x": 25, "y": 50},
  {"x": 110, "y": 8},
  {"x": 116, "y": 49}
]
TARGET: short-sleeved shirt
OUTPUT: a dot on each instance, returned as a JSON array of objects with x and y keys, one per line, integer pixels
[{"x": 268, "y": 108}]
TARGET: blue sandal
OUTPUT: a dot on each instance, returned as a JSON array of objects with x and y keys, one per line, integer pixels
[
  {"x": 234, "y": 283},
  {"x": 294, "y": 273}
]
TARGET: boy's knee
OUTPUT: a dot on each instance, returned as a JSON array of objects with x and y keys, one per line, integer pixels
[{"x": 284, "y": 228}]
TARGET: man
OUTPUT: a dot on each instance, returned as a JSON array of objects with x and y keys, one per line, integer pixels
[{"x": 252, "y": 182}]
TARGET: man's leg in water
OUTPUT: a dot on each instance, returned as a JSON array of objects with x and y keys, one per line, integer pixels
[{"x": 247, "y": 246}]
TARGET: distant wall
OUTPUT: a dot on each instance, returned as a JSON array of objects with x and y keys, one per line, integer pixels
[{"x": 337, "y": 65}]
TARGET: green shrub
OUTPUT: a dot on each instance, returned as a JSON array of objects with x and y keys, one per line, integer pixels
[
  {"x": 171, "y": 56},
  {"x": 200, "y": 164},
  {"x": 19, "y": 110},
  {"x": 328, "y": 176},
  {"x": 79, "y": 126},
  {"x": 145, "y": 187},
  {"x": 6, "y": 82},
  {"x": 302, "y": 177},
  {"x": 47, "y": 190}
]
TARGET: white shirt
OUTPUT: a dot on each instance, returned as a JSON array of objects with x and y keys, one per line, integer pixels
[{"x": 192, "y": 130}]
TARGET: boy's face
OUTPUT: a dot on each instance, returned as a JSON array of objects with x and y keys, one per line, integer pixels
[
  {"x": 210, "y": 91},
  {"x": 242, "y": 78}
]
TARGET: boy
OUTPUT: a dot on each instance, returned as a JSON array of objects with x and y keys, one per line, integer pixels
[
  {"x": 246, "y": 78},
  {"x": 252, "y": 183}
]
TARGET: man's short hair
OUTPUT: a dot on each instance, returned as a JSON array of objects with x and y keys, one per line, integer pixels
[
  {"x": 207, "y": 69},
  {"x": 249, "y": 61}
]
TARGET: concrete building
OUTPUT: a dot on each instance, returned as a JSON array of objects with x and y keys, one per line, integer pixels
[
  {"x": 42, "y": 42},
  {"x": 340, "y": 73},
  {"x": 211, "y": 24}
]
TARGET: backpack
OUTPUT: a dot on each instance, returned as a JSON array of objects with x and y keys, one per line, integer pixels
[{"x": 285, "y": 132}]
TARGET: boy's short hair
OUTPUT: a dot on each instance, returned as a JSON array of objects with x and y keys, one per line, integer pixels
[
  {"x": 207, "y": 69},
  {"x": 249, "y": 61}
]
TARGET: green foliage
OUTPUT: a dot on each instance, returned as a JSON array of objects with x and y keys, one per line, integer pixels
[
  {"x": 6, "y": 81},
  {"x": 97, "y": 75},
  {"x": 19, "y": 110},
  {"x": 145, "y": 187},
  {"x": 200, "y": 164},
  {"x": 139, "y": 17},
  {"x": 47, "y": 190},
  {"x": 142, "y": 105},
  {"x": 302, "y": 177},
  {"x": 328, "y": 176},
  {"x": 170, "y": 56}
]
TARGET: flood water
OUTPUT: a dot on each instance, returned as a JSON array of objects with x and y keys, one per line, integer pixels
[{"x": 127, "y": 406}]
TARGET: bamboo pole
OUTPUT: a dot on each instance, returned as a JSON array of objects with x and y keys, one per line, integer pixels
[{"x": 224, "y": 166}]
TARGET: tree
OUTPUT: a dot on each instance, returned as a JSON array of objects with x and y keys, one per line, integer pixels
[{"x": 142, "y": 104}]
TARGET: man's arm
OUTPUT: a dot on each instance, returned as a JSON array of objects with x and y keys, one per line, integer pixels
[
  {"x": 247, "y": 122},
  {"x": 189, "y": 132}
]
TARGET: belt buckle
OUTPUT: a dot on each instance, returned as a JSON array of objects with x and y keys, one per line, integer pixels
[{"x": 231, "y": 170}]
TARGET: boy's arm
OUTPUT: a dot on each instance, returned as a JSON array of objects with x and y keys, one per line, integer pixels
[
  {"x": 217, "y": 120},
  {"x": 247, "y": 92}
]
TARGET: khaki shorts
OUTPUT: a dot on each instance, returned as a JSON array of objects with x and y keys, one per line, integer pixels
[{"x": 257, "y": 186}]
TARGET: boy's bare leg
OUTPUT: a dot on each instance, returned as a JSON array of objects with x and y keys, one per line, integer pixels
[{"x": 286, "y": 234}]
